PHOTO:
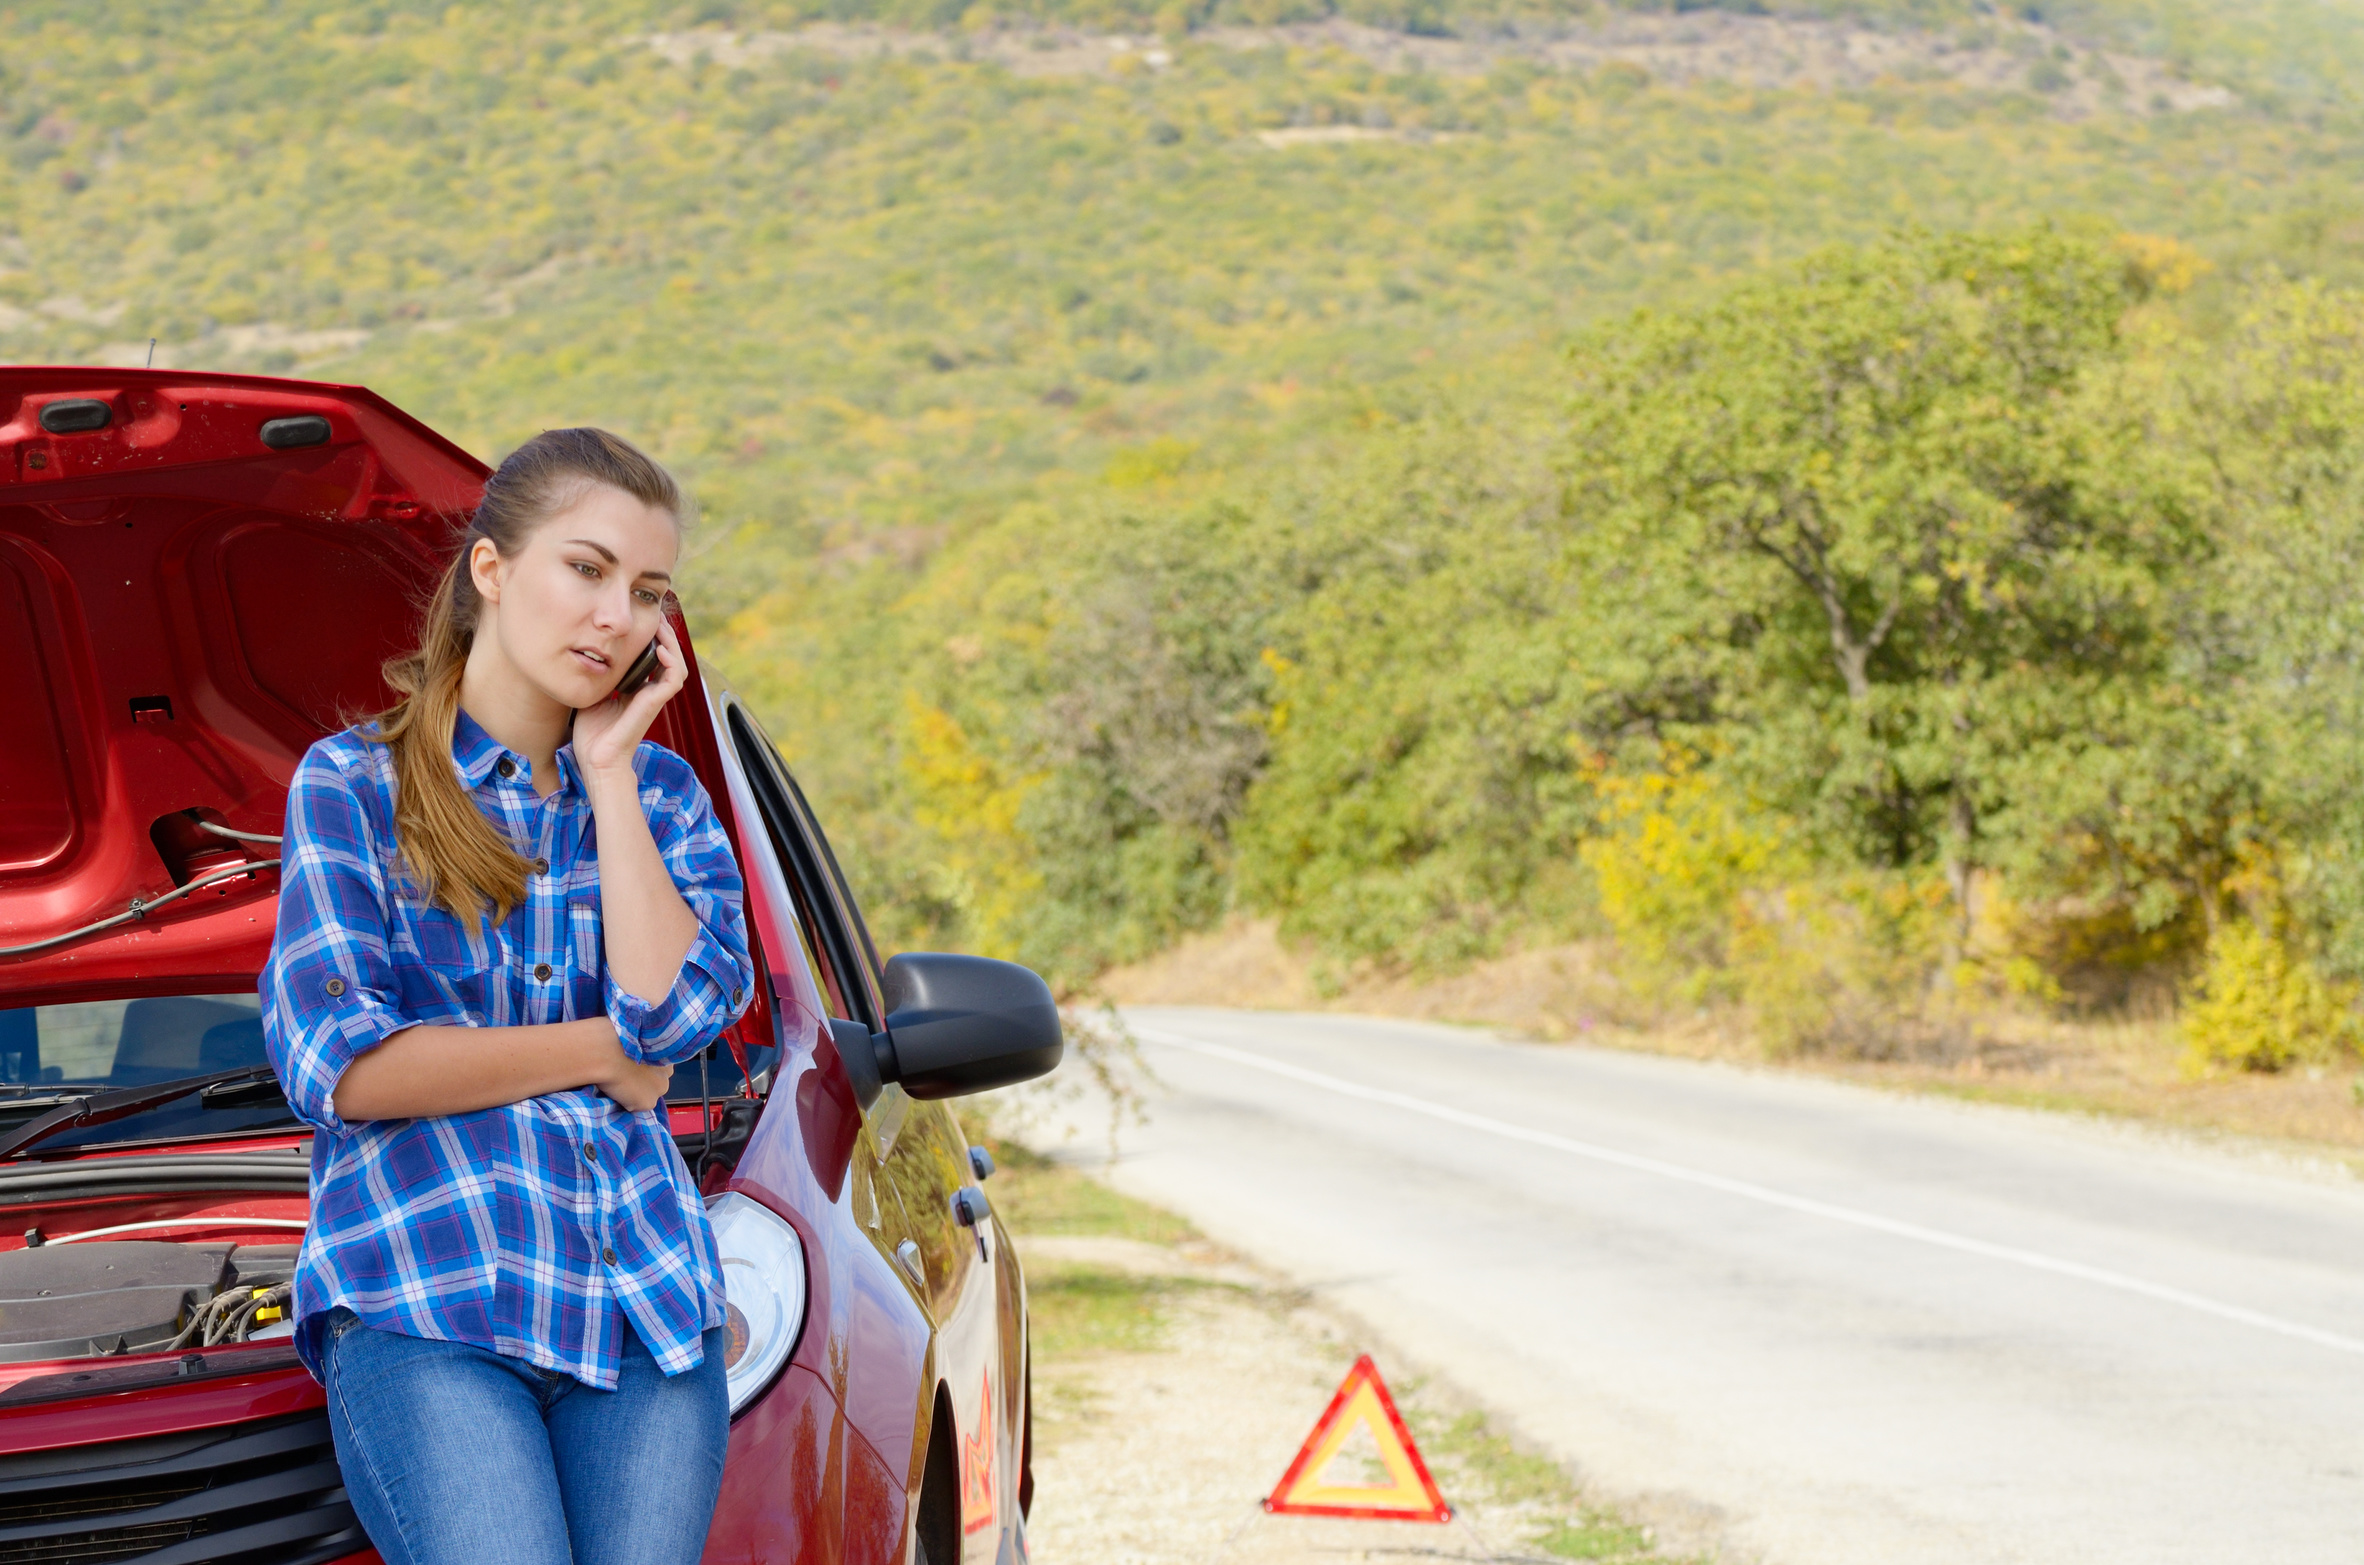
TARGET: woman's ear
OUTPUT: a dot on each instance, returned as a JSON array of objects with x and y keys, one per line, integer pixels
[{"x": 484, "y": 569}]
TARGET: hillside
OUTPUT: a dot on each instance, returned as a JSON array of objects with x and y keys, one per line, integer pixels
[{"x": 1067, "y": 386}]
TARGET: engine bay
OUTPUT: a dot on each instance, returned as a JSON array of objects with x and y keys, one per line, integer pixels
[{"x": 104, "y": 1299}]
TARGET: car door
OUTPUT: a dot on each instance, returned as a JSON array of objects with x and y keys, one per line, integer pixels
[
  {"x": 904, "y": 1173},
  {"x": 907, "y": 1167}
]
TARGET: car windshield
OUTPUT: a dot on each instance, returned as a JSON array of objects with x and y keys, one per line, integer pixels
[{"x": 50, "y": 1052}]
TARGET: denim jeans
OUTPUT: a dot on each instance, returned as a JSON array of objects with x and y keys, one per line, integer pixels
[{"x": 456, "y": 1455}]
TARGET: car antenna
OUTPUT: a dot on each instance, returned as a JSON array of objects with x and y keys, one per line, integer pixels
[{"x": 151, "y": 353}]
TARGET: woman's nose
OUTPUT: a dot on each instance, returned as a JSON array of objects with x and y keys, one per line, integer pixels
[
  {"x": 612, "y": 611},
  {"x": 613, "y": 606}
]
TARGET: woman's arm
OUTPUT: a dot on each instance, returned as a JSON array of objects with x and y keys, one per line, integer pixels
[
  {"x": 677, "y": 968},
  {"x": 646, "y": 924},
  {"x": 429, "y": 1070}
]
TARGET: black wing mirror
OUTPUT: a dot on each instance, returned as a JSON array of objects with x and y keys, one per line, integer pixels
[{"x": 955, "y": 1025}]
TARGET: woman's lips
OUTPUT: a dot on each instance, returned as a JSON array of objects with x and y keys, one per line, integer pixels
[{"x": 590, "y": 660}]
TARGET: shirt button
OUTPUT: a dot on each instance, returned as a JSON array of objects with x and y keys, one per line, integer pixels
[
  {"x": 507, "y": 767},
  {"x": 590, "y": 1153},
  {"x": 608, "y": 1256},
  {"x": 335, "y": 987},
  {"x": 541, "y": 866},
  {"x": 542, "y": 971}
]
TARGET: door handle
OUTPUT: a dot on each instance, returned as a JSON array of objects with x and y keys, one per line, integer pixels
[
  {"x": 971, "y": 1210},
  {"x": 914, "y": 1265}
]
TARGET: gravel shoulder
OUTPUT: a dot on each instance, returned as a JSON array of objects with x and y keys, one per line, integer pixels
[{"x": 1173, "y": 1382}]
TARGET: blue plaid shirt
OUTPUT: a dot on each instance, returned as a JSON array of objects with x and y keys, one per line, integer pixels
[{"x": 536, "y": 1229}]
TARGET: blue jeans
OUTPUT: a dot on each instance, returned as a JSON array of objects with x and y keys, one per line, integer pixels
[{"x": 456, "y": 1455}]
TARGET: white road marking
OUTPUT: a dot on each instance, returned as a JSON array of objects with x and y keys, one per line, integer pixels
[{"x": 2031, "y": 1259}]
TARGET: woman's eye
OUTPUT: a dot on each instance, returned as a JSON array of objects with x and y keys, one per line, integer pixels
[
  {"x": 649, "y": 597},
  {"x": 587, "y": 569}
]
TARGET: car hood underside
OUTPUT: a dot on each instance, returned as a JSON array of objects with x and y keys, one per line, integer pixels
[{"x": 200, "y": 575}]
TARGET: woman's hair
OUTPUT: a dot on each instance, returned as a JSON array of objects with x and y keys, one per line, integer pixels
[{"x": 455, "y": 855}]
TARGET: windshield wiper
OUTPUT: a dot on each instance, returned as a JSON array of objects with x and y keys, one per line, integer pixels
[{"x": 99, "y": 1108}]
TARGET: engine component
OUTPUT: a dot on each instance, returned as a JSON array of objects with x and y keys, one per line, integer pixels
[
  {"x": 254, "y": 1304},
  {"x": 87, "y": 1300},
  {"x": 134, "y": 1296}
]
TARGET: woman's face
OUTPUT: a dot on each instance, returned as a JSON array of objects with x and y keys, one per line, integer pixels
[{"x": 572, "y": 608}]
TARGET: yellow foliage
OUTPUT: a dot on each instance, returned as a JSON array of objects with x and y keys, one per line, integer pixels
[
  {"x": 1843, "y": 962},
  {"x": 2162, "y": 264},
  {"x": 1674, "y": 863},
  {"x": 984, "y": 867},
  {"x": 1137, "y": 467},
  {"x": 1709, "y": 900},
  {"x": 1283, "y": 670},
  {"x": 2257, "y": 1005}
]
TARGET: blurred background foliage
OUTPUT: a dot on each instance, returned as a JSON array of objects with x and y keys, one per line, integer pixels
[{"x": 1871, "y": 552}]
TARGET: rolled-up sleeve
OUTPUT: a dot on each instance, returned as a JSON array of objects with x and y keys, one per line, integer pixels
[
  {"x": 329, "y": 991},
  {"x": 716, "y": 981}
]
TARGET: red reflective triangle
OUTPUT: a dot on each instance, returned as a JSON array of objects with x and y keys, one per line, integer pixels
[{"x": 1362, "y": 1399}]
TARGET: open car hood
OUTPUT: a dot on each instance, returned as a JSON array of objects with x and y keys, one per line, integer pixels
[{"x": 200, "y": 575}]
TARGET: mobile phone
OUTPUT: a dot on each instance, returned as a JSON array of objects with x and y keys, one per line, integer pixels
[{"x": 643, "y": 669}]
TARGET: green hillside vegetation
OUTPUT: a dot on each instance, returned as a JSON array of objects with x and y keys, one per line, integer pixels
[{"x": 1124, "y": 515}]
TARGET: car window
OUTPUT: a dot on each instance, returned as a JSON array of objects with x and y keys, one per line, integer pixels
[
  {"x": 847, "y": 903},
  {"x": 52, "y": 1052},
  {"x": 836, "y": 943}
]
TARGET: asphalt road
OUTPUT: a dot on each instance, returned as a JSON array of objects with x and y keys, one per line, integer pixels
[{"x": 1833, "y": 1326}]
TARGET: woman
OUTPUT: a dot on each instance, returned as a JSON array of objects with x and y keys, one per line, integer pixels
[{"x": 503, "y": 918}]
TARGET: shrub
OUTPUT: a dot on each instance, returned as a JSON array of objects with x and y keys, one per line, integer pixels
[
  {"x": 1847, "y": 964},
  {"x": 1710, "y": 901},
  {"x": 1678, "y": 856},
  {"x": 2259, "y": 1006}
]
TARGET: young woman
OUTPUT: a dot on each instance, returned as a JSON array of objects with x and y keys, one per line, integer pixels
[{"x": 503, "y": 918}]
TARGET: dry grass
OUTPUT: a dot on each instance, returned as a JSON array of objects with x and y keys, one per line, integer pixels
[{"x": 2125, "y": 1068}]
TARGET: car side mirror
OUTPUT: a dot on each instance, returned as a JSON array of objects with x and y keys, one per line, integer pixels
[{"x": 955, "y": 1025}]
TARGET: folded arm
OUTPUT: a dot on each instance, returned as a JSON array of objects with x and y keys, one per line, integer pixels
[{"x": 429, "y": 1070}]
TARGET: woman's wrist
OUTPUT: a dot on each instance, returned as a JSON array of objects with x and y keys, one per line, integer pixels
[
  {"x": 603, "y": 1052},
  {"x": 616, "y": 784}
]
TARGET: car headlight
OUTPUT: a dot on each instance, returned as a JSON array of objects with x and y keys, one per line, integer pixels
[{"x": 764, "y": 1285}]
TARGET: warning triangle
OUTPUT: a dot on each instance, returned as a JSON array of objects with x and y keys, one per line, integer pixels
[{"x": 1362, "y": 1402}]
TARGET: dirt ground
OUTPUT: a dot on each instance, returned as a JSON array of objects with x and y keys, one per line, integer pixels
[
  {"x": 2121, "y": 1069},
  {"x": 1689, "y": 46},
  {"x": 1173, "y": 1384}
]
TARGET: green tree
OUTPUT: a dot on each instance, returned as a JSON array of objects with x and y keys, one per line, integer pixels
[
  {"x": 1871, "y": 509},
  {"x": 2266, "y": 422}
]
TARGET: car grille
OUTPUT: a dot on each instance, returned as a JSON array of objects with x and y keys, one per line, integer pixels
[{"x": 254, "y": 1494}]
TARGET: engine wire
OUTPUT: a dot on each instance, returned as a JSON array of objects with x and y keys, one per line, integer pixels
[
  {"x": 180, "y": 1222},
  {"x": 229, "y": 1316},
  {"x": 142, "y": 906},
  {"x": 242, "y": 836}
]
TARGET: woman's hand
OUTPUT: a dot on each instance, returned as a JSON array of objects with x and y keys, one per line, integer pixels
[
  {"x": 607, "y": 735},
  {"x": 636, "y": 1087}
]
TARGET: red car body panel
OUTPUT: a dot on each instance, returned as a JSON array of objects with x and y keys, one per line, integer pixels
[{"x": 186, "y": 610}]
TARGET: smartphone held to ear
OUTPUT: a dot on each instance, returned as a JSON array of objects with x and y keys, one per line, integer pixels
[{"x": 643, "y": 669}]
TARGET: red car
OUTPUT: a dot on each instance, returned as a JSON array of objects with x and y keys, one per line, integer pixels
[{"x": 199, "y": 576}]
